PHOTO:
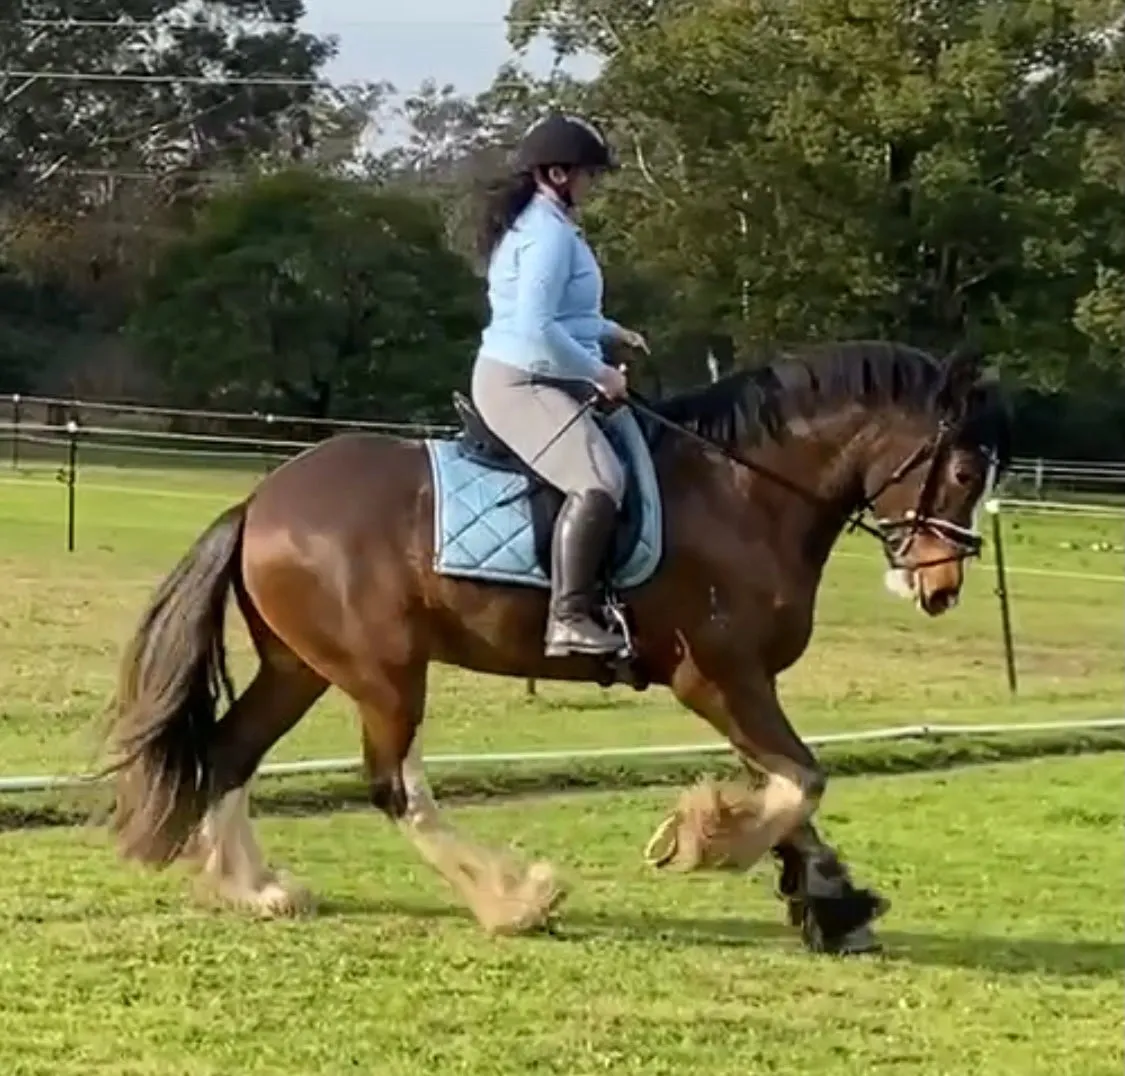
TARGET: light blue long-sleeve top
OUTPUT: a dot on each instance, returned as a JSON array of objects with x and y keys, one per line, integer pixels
[{"x": 545, "y": 293}]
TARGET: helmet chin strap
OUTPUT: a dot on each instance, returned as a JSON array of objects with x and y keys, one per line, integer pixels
[{"x": 560, "y": 192}]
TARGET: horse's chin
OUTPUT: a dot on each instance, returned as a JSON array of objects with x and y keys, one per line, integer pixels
[{"x": 901, "y": 583}]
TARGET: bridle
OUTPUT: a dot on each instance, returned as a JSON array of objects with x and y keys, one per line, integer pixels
[
  {"x": 897, "y": 534},
  {"x": 894, "y": 534}
]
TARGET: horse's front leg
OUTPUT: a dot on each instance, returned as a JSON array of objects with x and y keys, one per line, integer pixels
[
  {"x": 733, "y": 826},
  {"x": 815, "y": 886}
]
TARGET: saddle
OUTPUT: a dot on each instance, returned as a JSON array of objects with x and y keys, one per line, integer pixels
[{"x": 477, "y": 442}]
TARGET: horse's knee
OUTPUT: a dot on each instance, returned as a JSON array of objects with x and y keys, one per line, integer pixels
[
  {"x": 798, "y": 791},
  {"x": 814, "y": 783}
]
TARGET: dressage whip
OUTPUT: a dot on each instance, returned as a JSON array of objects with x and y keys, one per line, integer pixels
[{"x": 510, "y": 493}]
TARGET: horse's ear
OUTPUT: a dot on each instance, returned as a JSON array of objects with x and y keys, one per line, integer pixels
[{"x": 961, "y": 370}]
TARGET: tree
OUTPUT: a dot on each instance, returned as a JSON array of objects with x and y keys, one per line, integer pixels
[
  {"x": 811, "y": 168},
  {"x": 151, "y": 88},
  {"x": 316, "y": 295},
  {"x": 114, "y": 121},
  {"x": 456, "y": 144}
]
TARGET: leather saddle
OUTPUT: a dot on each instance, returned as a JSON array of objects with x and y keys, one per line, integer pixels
[{"x": 477, "y": 441}]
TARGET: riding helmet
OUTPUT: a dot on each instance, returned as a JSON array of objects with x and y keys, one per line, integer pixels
[{"x": 567, "y": 141}]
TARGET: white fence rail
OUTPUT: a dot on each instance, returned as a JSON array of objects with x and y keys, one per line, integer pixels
[
  {"x": 316, "y": 767},
  {"x": 1088, "y": 475},
  {"x": 43, "y": 420}
]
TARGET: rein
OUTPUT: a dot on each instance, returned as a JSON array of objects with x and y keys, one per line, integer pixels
[{"x": 893, "y": 535}]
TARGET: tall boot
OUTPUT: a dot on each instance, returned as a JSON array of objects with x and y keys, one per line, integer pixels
[{"x": 582, "y": 535}]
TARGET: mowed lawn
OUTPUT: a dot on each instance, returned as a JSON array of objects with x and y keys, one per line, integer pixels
[
  {"x": 1004, "y": 956},
  {"x": 874, "y": 660}
]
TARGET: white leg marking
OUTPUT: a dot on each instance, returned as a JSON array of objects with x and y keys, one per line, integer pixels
[
  {"x": 233, "y": 865},
  {"x": 505, "y": 897}
]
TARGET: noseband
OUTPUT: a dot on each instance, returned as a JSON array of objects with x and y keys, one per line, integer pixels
[{"x": 898, "y": 533}]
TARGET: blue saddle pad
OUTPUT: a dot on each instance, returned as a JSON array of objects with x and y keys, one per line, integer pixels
[{"x": 488, "y": 527}]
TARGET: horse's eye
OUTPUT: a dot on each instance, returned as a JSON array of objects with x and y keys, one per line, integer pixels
[{"x": 963, "y": 474}]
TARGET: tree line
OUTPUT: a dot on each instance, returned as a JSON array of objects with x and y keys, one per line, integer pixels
[{"x": 212, "y": 228}]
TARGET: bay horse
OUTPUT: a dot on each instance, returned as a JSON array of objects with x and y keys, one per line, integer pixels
[{"x": 330, "y": 561}]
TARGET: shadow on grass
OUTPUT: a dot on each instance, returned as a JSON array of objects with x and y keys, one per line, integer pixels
[
  {"x": 974, "y": 951},
  {"x": 1041, "y": 956}
]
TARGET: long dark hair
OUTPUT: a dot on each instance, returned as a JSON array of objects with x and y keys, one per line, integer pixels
[{"x": 504, "y": 200}]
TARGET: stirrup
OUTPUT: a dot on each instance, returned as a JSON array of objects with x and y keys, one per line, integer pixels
[{"x": 615, "y": 616}]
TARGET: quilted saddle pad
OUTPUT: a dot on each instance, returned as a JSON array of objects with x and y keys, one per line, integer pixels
[{"x": 495, "y": 526}]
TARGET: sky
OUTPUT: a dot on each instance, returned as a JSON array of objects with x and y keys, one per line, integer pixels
[{"x": 453, "y": 41}]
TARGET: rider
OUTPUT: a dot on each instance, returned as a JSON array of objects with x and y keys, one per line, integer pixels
[{"x": 541, "y": 356}]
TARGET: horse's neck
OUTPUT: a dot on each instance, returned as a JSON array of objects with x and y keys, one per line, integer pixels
[{"x": 822, "y": 473}]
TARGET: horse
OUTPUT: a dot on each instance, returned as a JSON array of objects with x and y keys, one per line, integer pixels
[{"x": 333, "y": 563}]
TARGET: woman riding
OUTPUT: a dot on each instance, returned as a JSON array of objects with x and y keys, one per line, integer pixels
[{"x": 541, "y": 357}]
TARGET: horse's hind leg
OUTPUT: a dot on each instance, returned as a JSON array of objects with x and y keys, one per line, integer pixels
[
  {"x": 231, "y": 865},
  {"x": 504, "y": 896}
]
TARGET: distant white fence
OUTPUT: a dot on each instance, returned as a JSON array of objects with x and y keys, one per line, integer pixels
[
  {"x": 316, "y": 767},
  {"x": 108, "y": 424},
  {"x": 1042, "y": 475}
]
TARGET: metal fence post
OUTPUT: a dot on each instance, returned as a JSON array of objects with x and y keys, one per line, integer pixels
[{"x": 71, "y": 480}]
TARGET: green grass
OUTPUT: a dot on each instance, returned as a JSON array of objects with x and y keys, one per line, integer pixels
[
  {"x": 873, "y": 661},
  {"x": 1005, "y": 942},
  {"x": 1004, "y": 949}
]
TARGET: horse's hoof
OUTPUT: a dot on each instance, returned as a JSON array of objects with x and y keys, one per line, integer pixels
[
  {"x": 841, "y": 926},
  {"x": 859, "y": 942}
]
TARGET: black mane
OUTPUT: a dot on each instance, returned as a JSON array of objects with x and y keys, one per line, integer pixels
[{"x": 757, "y": 403}]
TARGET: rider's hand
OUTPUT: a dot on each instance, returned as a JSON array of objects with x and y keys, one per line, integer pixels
[
  {"x": 612, "y": 383},
  {"x": 633, "y": 339}
]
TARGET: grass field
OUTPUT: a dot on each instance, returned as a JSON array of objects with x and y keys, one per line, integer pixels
[
  {"x": 874, "y": 660},
  {"x": 1004, "y": 950},
  {"x": 1005, "y": 940}
]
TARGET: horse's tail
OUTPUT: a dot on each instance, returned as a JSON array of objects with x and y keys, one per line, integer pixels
[{"x": 172, "y": 677}]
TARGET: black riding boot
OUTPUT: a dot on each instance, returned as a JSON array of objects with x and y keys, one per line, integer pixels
[{"x": 582, "y": 535}]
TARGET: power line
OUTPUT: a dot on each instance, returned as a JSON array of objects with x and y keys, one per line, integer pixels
[
  {"x": 185, "y": 80},
  {"x": 204, "y": 80},
  {"x": 155, "y": 176},
  {"x": 157, "y": 24}
]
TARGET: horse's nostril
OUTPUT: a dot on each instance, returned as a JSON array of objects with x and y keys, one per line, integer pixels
[{"x": 939, "y": 601}]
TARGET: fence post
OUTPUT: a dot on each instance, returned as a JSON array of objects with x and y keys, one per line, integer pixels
[
  {"x": 712, "y": 365},
  {"x": 993, "y": 509},
  {"x": 71, "y": 479},
  {"x": 17, "y": 411},
  {"x": 1039, "y": 478}
]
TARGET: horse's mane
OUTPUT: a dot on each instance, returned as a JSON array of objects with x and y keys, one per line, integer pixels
[{"x": 755, "y": 403}]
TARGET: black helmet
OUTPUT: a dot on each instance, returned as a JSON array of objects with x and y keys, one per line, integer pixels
[{"x": 568, "y": 141}]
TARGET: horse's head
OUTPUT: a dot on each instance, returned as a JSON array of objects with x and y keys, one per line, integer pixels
[{"x": 929, "y": 478}]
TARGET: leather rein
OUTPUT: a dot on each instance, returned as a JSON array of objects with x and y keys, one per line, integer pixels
[{"x": 894, "y": 535}]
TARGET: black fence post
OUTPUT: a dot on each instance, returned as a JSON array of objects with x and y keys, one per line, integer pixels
[{"x": 993, "y": 509}]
